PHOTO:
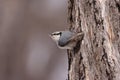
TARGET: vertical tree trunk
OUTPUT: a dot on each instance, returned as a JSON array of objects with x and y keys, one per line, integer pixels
[{"x": 98, "y": 57}]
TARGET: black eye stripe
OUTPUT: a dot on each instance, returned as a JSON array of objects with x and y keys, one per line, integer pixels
[{"x": 57, "y": 33}]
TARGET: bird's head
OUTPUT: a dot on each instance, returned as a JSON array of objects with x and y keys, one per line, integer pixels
[{"x": 56, "y": 36}]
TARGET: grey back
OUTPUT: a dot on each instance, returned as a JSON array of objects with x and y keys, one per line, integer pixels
[{"x": 65, "y": 36}]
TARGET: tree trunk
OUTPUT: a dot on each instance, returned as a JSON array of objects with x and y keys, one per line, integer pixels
[{"x": 98, "y": 57}]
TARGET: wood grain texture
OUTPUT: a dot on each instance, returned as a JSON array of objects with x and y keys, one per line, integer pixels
[{"x": 98, "y": 57}]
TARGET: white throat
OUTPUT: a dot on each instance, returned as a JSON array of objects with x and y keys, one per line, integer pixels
[{"x": 56, "y": 38}]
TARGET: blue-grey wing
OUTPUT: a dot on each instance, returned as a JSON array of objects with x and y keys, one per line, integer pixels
[
  {"x": 65, "y": 37},
  {"x": 70, "y": 37}
]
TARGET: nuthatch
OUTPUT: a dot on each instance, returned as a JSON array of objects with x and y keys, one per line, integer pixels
[{"x": 66, "y": 39}]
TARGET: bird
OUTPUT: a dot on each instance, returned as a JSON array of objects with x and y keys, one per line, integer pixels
[{"x": 66, "y": 39}]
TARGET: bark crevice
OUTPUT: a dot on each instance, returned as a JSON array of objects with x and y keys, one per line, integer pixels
[{"x": 97, "y": 56}]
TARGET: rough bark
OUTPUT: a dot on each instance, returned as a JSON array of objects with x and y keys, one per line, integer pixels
[{"x": 98, "y": 57}]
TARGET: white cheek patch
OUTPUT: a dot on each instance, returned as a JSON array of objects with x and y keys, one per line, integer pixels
[{"x": 56, "y": 37}]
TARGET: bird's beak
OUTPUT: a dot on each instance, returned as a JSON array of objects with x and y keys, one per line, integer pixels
[{"x": 50, "y": 35}]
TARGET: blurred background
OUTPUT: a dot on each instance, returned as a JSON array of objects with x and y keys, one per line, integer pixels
[{"x": 26, "y": 50}]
